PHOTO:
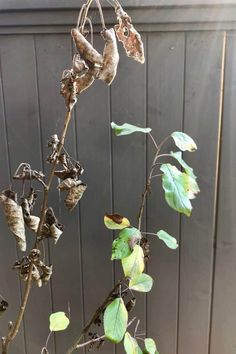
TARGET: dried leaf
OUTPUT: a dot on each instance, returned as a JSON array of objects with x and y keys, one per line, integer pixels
[
  {"x": 31, "y": 221},
  {"x": 3, "y": 306},
  {"x": 68, "y": 183},
  {"x": 110, "y": 57},
  {"x": 85, "y": 49},
  {"x": 36, "y": 276},
  {"x": 127, "y": 34},
  {"x": 74, "y": 195},
  {"x": 84, "y": 82},
  {"x": 14, "y": 216},
  {"x": 79, "y": 66},
  {"x": 74, "y": 172},
  {"x": 55, "y": 232},
  {"x": 68, "y": 89}
]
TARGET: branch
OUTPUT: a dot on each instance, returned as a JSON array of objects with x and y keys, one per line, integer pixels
[{"x": 12, "y": 332}]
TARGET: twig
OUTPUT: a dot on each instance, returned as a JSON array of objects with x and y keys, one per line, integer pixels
[{"x": 15, "y": 328}]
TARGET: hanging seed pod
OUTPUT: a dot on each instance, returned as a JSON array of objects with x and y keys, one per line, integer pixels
[
  {"x": 68, "y": 183},
  {"x": 110, "y": 56},
  {"x": 74, "y": 195},
  {"x": 3, "y": 307},
  {"x": 79, "y": 66},
  {"x": 130, "y": 38},
  {"x": 14, "y": 216},
  {"x": 85, "y": 49},
  {"x": 84, "y": 82}
]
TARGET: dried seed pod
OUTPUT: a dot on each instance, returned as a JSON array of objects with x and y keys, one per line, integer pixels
[
  {"x": 68, "y": 183},
  {"x": 74, "y": 195},
  {"x": 110, "y": 56},
  {"x": 31, "y": 221},
  {"x": 79, "y": 66},
  {"x": 85, "y": 49},
  {"x": 14, "y": 216},
  {"x": 130, "y": 38},
  {"x": 84, "y": 82}
]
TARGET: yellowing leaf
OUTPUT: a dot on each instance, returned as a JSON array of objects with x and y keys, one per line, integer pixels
[
  {"x": 58, "y": 321},
  {"x": 116, "y": 222},
  {"x": 133, "y": 265},
  {"x": 184, "y": 141},
  {"x": 115, "y": 320},
  {"x": 123, "y": 245},
  {"x": 131, "y": 345}
]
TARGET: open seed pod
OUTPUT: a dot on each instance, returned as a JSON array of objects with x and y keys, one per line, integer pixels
[
  {"x": 85, "y": 49},
  {"x": 110, "y": 56},
  {"x": 130, "y": 38},
  {"x": 31, "y": 221},
  {"x": 74, "y": 195},
  {"x": 14, "y": 216}
]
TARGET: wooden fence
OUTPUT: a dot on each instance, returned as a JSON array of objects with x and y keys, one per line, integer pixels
[{"x": 192, "y": 307}]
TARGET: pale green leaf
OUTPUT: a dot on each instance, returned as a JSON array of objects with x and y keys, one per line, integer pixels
[
  {"x": 184, "y": 142},
  {"x": 142, "y": 282},
  {"x": 131, "y": 345},
  {"x": 178, "y": 156},
  {"x": 169, "y": 240},
  {"x": 123, "y": 245},
  {"x": 150, "y": 346},
  {"x": 175, "y": 184},
  {"x": 58, "y": 321},
  {"x": 133, "y": 265},
  {"x": 126, "y": 129},
  {"x": 115, "y": 320}
]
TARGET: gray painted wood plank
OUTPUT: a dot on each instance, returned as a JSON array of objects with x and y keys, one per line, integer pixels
[
  {"x": 54, "y": 54},
  {"x": 165, "y": 113},
  {"x": 128, "y": 104},
  {"x": 10, "y": 288},
  {"x": 224, "y": 300},
  {"x": 202, "y": 92},
  {"x": 93, "y": 134}
]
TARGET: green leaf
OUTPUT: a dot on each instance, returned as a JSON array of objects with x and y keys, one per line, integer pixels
[
  {"x": 116, "y": 222},
  {"x": 58, "y": 321},
  {"x": 184, "y": 141},
  {"x": 131, "y": 345},
  {"x": 150, "y": 346},
  {"x": 169, "y": 240},
  {"x": 175, "y": 185},
  {"x": 123, "y": 245},
  {"x": 126, "y": 129},
  {"x": 115, "y": 320},
  {"x": 133, "y": 265},
  {"x": 178, "y": 156},
  {"x": 142, "y": 282}
]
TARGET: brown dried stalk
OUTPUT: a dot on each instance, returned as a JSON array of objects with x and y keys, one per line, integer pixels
[{"x": 13, "y": 330}]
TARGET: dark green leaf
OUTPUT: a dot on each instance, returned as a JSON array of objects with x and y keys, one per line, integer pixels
[
  {"x": 184, "y": 141},
  {"x": 58, "y": 321},
  {"x": 115, "y": 320},
  {"x": 123, "y": 245},
  {"x": 142, "y": 282},
  {"x": 126, "y": 129},
  {"x": 134, "y": 264},
  {"x": 175, "y": 185},
  {"x": 169, "y": 240}
]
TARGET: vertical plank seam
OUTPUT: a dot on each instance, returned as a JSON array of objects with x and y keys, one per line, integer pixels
[
  {"x": 217, "y": 183},
  {"x": 180, "y": 218},
  {"x": 10, "y": 180},
  {"x": 42, "y": 159}
]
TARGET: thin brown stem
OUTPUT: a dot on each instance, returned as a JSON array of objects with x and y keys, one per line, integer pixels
[{"x": 12, "y": 332}]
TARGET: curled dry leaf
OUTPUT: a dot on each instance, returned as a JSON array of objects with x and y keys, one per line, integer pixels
[
  {"x": 24, "y": 172},
  {"x": 55, "y": 232},
  {"x": 68, "y": 183},
  {"x": 31, "y": 221},
  {"x": 51, "y": 228},
  {"x": 74, "y": 195},
  {"x": 130, "y": 38},
  {"x": 79, "y": 65},
  {"x": 14, "y": 216},
  {"x": 74, "y": 172},
  {"x": 85, "y": 49},
  {"x": 84, "y": 82},
  {"x": 53, "y": 143},
  {"x": 110, "y": 56},
  {"x": 68, "y": 89}
]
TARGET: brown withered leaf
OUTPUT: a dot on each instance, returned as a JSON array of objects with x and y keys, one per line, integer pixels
[
  {"x": 68, "y": 183},
  {"x": 85, "y": 49},
  {"x": 68, "y": 89},
  {"x": 14, "y": 217},
  {"x": 130, "y": 38},
  {"x": 110, "y": 56},
  {"x": 79, "y": 67},
  {"x": 84, "y": 82},
  {"x": 31, "y": 221},
  {"x": 74, "y": 195},
  {"x": 73, "y": 173}
]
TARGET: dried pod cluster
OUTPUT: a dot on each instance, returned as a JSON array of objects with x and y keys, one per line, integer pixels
[
  {"x": 89, "y": 64},
  {"x": 41, "y": 273}
]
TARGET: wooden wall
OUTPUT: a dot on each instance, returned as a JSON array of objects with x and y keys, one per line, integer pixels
[{"x": 192, "y": 307}]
